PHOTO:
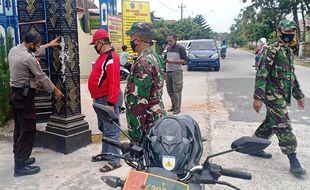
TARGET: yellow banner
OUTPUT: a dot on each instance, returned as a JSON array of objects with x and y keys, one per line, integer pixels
[
  {"x": 134, "y": 11},
  {"x": 115, "y": 32}
]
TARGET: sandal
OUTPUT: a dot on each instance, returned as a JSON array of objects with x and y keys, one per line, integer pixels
[
  {"x": 109, "y": 167},
  {"x": 98, "y": 158},
  {"x": 122, "y": 110}
]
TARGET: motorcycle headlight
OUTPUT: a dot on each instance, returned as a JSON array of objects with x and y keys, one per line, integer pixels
[{"x": 215, "y": 56}]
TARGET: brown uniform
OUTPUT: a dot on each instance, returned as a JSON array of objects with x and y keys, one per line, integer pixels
[{"x": 25, "y": 70}]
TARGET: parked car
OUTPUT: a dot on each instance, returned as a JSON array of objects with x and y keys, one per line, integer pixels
[
  {"x": 203, "y": 53},
  {"x": 186, "y": 44}
]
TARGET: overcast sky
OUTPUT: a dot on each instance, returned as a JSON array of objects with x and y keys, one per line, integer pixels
[{"x": 219, "y": 14}]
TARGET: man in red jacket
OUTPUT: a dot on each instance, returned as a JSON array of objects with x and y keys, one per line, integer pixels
[{"x": 104, "y": 87}]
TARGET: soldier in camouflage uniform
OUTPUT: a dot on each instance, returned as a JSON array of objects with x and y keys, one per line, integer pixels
[
  {"x": 275, "y": 82},
  {"x": 143, "y": 93}
]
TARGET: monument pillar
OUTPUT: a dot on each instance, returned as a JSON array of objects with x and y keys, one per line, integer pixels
[{"x": 67, "y": 130}]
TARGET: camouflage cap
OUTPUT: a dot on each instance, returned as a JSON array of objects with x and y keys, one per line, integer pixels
[
  {"x": 287, "y": 24},
  {"x": 145, "y": 28},
  {"x": 140, "y": 27}
]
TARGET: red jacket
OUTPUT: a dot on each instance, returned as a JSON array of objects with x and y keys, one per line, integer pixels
[{"x": 104, "y": 79}]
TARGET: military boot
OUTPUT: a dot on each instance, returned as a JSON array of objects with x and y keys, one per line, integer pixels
[{"x": 295, "y": 166}]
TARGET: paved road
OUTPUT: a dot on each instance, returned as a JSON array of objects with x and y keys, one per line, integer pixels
[
  {"x": 234, "y": 90},
  {"x": 219, "y": 101},
  {"x": 236, "y": 83}
]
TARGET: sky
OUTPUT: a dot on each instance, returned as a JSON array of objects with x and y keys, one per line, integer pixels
[{"x": 219, "y": 14}]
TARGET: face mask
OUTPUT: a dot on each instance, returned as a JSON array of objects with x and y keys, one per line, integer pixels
[
  {"x": 287, "y": 38},
  {"x": 98, "y": 51},
  {"x": 32, "y": 49},
  {"x": 133, "y": 45}
]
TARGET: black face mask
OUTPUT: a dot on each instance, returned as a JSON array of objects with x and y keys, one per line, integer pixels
[
  {"x": 133, "y": 45},
  {"x": 98, "y": 51},
  {"x": 287, "y": 38},
  {"x": 32, "y": 49}
]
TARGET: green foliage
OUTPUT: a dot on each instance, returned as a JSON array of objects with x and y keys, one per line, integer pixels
[
  {"x": 201, "y": 21},
  {"x": 5, "y": 109},
  {"x": 261, "y": 18},
  {"x": 94, "y": 23},
  {"x": 185, "y": 29}
]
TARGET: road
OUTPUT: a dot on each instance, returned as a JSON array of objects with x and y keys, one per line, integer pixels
[
  {"x": 219, "y": 101},
  {"x": 234, "y": 90}
]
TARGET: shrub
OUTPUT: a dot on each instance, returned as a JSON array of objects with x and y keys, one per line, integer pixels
[{"x": 5, "y": 108}]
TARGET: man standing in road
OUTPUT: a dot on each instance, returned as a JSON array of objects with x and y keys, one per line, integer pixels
[
  {"x": 143, "y": 93},
  {"x": 104, "y": 87},
  {"x": 175, "y": 57},
  {"x": 275, "y": 82},
  {"x": 25, "y": 73}
]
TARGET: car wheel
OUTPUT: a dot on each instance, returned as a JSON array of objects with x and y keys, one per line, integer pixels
[
  {"x": 189, "y": 68},
  {"x": 217, "y": 68}
]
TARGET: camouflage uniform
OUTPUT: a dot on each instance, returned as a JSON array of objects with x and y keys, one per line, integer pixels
[
  {"x": 275, "y": 82},
  {"x": 143, "y": 94}
]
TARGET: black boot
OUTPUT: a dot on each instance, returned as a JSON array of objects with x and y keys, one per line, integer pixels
[
  {"x": 262, "y": 154},
  {"x": 295, "y": 166},
  {"x": 30, "y": 161},
  {"x": 26, "y": 170}
]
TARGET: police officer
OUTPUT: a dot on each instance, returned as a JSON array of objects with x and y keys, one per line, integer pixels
[
  {"x": 275, "y": 82},
  {"x": 143, "y": 93},
  {"x": 26, "y": 72}
]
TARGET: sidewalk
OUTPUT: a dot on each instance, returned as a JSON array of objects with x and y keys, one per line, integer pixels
[
  {"x": 59, "y": 171},
  {"x": 75, "y": 170},
  {"x": 87, "y": 110}
]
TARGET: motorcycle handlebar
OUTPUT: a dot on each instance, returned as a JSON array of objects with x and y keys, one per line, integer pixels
[
  {"x": 236, "y": 174},
  {"x": 123, "y": 146}
]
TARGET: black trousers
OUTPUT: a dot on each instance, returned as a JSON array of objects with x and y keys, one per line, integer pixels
[{"x": 25, "y": 125}]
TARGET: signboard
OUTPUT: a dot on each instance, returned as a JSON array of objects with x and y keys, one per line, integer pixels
[
  {"x": 134, "y": 11},
  {"x": 106, "y": 7},
  {"x": 142, "y": 180},
  {"x": 115, "y": 32}
]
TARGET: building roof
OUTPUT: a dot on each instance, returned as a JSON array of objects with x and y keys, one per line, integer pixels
[{"x": 91, "y": 4}]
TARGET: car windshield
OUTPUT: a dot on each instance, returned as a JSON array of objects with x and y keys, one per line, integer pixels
[{"x": 202, "y": 45}]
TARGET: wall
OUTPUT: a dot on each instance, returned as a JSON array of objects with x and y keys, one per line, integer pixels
[{"x": 86, "y": 51}]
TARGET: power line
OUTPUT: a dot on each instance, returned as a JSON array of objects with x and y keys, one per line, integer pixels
[{"x": 167, "y": 6}]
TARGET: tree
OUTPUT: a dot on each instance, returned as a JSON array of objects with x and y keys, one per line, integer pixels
[
  {"x": 5, "y": 109},
  {"x": 185, "y": 29},
  {"x": 278, "y": 9},
  {"x": 201, "y": 21}
]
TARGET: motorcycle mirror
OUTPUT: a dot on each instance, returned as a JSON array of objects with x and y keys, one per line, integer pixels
[
  {"x": 112, "y": 181},
  {"x": 247, "y": 145},
  {"x": 107, "y": 114}
]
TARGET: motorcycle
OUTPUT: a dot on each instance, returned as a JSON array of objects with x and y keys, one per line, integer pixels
[
  {"x": 169, "y": 156},
  {"x": 123, "y": 73},
  {"x": 223, "y": 51}
]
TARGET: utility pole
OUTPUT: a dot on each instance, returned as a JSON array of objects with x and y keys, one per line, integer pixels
[
  {"x": 86, "y": 16},
  {"x": 182, "y": 7}
]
